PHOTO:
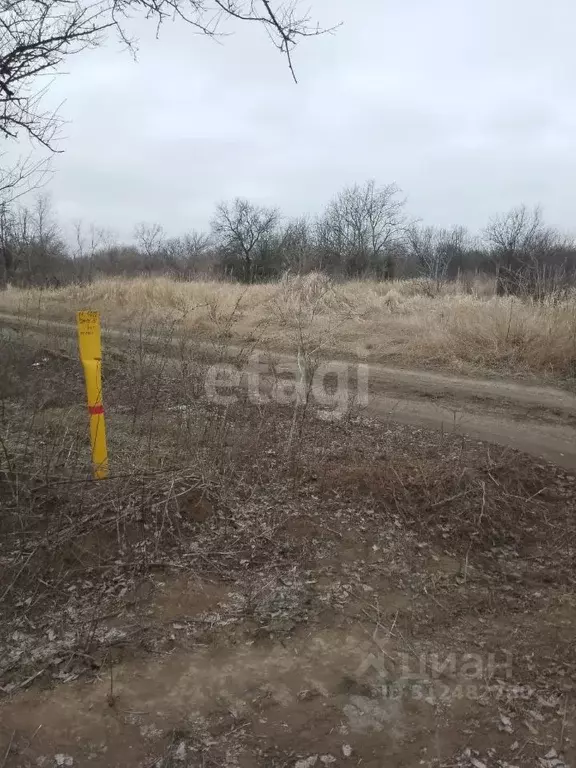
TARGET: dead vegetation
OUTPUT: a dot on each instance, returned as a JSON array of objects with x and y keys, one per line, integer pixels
[
  {"x": 457, "y": 325},
  {"x": 312, "y": 571}
]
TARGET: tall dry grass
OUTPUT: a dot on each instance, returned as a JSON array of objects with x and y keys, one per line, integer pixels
[{"x": 458, "y": 325}]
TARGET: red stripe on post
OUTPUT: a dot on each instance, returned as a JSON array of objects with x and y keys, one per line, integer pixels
[{"x": 95, "y": 410}]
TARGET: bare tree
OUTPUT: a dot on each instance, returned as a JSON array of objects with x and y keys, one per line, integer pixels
[
  {"x": 298, "y": 245},
  {"x": 46, "y": 248},
  {"x": 519, "y": 243},
  {"x": 37, "y": 36},
  {"x": 240, "y": 228},
  {"x": 434, "y": 249},
  {"x": 6, "y": 252},
  {"x": 188, "y": 254},
  {"x": 31, "y": 247},
  {"x": 515, "y": 231},
  {"x": 44, "y": 220},
  {"x": 196, "y": 251},
  {"x": 88, "y": 241},
  {"x": 150, "y": 239},
  {"x": 361, "y": 224}
]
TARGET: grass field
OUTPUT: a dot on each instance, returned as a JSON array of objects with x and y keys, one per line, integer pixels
[{"x": 460, "y": 326}]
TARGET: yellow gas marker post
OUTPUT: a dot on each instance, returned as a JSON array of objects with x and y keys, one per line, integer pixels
[{"x": 91, "y": 357}]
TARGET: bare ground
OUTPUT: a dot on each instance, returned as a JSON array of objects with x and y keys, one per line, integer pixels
[{"x": 247, "y": 593}]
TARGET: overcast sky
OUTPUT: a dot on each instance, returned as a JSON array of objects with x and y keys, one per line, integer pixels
[{"x": 469, "y": 105}]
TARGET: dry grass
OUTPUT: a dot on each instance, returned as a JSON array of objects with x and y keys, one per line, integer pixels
[{"x": 460, "y": 325}]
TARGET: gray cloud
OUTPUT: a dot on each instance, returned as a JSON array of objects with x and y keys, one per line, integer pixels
[{"x": 469, "y": 107}]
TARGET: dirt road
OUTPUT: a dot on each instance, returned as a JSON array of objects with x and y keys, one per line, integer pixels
[{"x": 537, "y": 419}]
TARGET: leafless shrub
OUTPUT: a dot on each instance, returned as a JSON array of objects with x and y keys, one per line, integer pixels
[{"x": 435, "y": 249}]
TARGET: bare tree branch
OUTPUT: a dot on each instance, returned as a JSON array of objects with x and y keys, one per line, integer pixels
[
  {"x": 22, "y": 176},
  {"x": 37, "y": 36}
]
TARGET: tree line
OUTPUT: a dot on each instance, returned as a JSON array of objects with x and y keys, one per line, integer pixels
[{"x": 364, "y": 231}]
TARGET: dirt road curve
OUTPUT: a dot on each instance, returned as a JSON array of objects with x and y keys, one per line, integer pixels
[{"x": 539, "y": 420}]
